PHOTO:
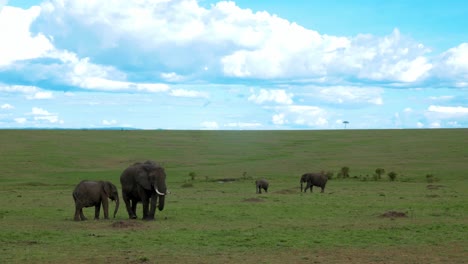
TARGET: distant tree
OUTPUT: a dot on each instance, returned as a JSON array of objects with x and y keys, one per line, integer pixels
[
  {"x": 379, "y": 172},
  {"x": 392, "y": 175},
  {"x": 344, "y": 172},
  {"x": 345, "y": 123}
]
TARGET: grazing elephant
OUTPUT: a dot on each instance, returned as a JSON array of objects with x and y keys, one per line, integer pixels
[
  {"x": 94, "y": 193},
  {"x": 146, "y": 183},
  {"x": 314, "y": 179},
  {"x": 261, "y": 184}
]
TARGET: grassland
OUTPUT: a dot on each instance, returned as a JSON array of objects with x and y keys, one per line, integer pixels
[{"x": 207, "y": 220}]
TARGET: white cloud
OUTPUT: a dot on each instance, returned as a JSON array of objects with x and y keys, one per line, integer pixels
[
  {"x": 454, "y": 64},
  {"x": 109, "y": 122},
  {"x": 302, "y": 115},
  {"x": 276, "y": 96},
  {"x": 41, "y": 95},
  {"x": 7, "y": 106},
  {"x": 243, "y": 125},
  {"x": 20, "y": 120},
  {"x": 279, "y": 119},
  {"x": 40, "y": 114},
  {"x": 351, "y": 95},
  {"x": 210, "y": 125},
  {"x": 228, "y": 39},
  {"x": 449, "y": 110},
  {"x": 187, "y": 93},
  {"x": 17, "y": 42}
]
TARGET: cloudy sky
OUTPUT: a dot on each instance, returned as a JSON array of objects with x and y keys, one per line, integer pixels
[{"x": 187, "y": 64}]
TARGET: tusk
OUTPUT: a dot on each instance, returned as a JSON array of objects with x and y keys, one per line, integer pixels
[{"x": 158, "y": 192}]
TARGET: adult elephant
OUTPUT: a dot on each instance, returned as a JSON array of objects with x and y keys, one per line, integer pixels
[
  {"x": 314, "y": 179},
  {"x": 145, "y": 183},
  {"x": 261, "y": 184},
  {"x": 94, "y": 193}
]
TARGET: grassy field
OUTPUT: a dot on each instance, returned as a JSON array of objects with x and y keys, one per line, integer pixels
[{"x": 210, "y": 220}]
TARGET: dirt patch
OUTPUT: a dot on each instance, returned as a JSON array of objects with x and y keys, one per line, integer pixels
[
  {"x": 253, "y": 200},
  {"x": 126, "y": 224},
  {"x": 434, "y": 187},
  {"x": 393, "y": 214},
  {"x": 287, "y": 191},
  {"x": 223, "y": 180}
]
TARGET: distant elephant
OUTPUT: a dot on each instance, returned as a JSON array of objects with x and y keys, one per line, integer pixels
[
  {"x": 314, "y": 179},
  {"x": 261, "y": 184},
  {"x": 94, "y": 193},
  {"x": 146, "y": 183}
]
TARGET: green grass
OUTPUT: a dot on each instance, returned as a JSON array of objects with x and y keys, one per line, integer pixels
[{"x": 209, "y": 221}]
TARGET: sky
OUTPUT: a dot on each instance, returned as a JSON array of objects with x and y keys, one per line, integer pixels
[{"x": 233, "y": 65}]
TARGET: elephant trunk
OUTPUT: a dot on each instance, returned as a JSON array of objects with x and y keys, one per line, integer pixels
[
  {"x": 116, "y": 206},
  {"x": 161, "y": 202}
]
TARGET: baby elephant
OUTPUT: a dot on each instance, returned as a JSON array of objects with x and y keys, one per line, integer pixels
[
  {"x": 261, "y": 184},
  {"x": 94, "y": 193}
]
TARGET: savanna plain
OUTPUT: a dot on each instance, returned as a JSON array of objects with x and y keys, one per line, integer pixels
[{"x": 213, "y": 213}]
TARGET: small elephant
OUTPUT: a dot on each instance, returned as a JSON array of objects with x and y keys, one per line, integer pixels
[
  {"x": 314, "y": 179},
  {"x": 146, "y": 183},
  {"x": 94, "y": 193},
  {"x": 261, "y": 184}
]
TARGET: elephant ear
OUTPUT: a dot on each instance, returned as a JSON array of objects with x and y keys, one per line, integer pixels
[
  {"x": 107, "y": 188},
  {"x": 143, "y": 179}
]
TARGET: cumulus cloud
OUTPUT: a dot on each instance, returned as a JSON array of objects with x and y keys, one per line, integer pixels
[
  {"x": 226, "y": 39},
  {"x": 17, "y": 41},
  {"x": 6, "y": 106},
  {"x": 187, "y": 93},
  {"x": 301, "y": 115},
  {"x": 40, "y": 114},
  {"x": 209, "y": 125},
  {"x": 351, "y": 95},
  {"x": 275, "y": 96},
  {"x": 449, "y": 110},
  {"x": 109, "y": 122},
  {"x": 243, "y": 125}
]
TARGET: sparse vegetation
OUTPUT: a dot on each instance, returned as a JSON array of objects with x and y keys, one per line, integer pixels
[
  {"x": 379, "y": 172},
  {"x": 344, "y": 172},
  {"x": 222, "y": 220},
  {"x": 392, "y": 176}
]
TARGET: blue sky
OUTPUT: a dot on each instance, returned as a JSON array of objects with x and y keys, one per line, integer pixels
[{"x": 186, "y": 64}]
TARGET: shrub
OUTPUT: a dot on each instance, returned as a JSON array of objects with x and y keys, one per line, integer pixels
[
  {"x": 379, "y": 172},
  {"x": 192, "y": 175},
  {"x": 431, "y": 178},
  {"x": 392, "y": 175},
  {"x": 344, "y": 172},
  {"x": 329, "y": 174}
]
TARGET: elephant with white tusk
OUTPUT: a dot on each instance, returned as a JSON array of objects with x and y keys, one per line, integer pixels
[{"x": 145, "y": 183}]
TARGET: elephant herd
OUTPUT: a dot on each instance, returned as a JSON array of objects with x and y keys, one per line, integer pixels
[
  {"x": 141, "y": 182},
  {"x": 312, "y": 179},
  {"x": 146, "y": 183}
]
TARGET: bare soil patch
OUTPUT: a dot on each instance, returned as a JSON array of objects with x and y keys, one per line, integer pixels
[
  {"x": 287, "y": 191},
  {"x": 253, "y": 200},
  {"x": 434, "y": 186},
  {"x": 127, "y": 224},
  {"x": 393, "y": 214}
]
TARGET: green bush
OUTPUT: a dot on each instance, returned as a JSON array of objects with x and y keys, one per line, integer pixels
[{"x": 392, "y": 175}]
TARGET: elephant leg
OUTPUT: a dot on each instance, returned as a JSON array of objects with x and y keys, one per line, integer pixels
[
  {"x": 152, "y": 210},
  {"x": 105, "y": 207},
  {"x": 97, "y": 209},
  {"x": 82, "y": 216},
  {"x": 131, "y": 213},
  {"x": 134, "y": 208},
  {"x": 145, "y": 201},
  {"x": 77, "y": 213},
  {"x": 323, "y": 189}
]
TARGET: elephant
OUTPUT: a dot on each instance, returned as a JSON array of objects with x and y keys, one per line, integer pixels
[
  {"x": 261, "y": 184},
  {"x": 146, "y": 183},
  {"x": 314, "y": 179},
  {"x": 94, "y": 193}
]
